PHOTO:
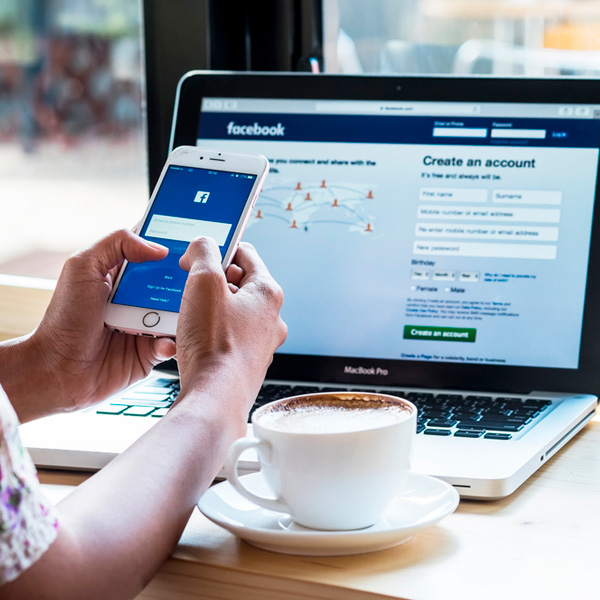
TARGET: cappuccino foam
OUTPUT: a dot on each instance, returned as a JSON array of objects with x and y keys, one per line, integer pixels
[{"x": 331, "y": 419}]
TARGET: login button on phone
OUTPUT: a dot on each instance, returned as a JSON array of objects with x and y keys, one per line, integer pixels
[{"x": 151, "y": 319}]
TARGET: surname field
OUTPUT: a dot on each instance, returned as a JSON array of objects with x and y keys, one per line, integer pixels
[
  {"x": 441, "y": 248},
  {"x": 527, "y": 196},
  {"x": 489, "y": 232},
  {"x": 496, "y": 213}
]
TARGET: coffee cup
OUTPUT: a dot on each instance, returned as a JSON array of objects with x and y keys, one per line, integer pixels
[{"x": 333, "y": 461}]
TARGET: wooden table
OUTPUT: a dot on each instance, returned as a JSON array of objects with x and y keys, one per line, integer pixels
[
  {"x": 541, "y": 542},
  {"x": 23, "y": 301}
]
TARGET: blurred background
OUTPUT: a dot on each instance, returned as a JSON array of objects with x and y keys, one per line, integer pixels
[
  {"x": 72, "y": 150},
  {"x": 501, "y": 37},
  {"x": 73, "y": 158}
]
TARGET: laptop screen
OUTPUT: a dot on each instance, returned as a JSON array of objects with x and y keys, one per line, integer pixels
[
  {"x": 451, "y": 232},
  {"x": 433, "y": 232}
]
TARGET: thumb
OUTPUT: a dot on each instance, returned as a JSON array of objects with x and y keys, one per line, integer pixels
[
  {"x": 202, "y": 255},
  {"x": 164, "y": 349},
  {"x": 113, "y": 249}
]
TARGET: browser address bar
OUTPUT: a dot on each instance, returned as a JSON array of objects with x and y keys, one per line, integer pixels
[{"x": 396, "y": 108}]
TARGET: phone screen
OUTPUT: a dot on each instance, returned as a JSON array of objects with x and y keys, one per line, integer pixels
[{"x": 190, "y": 202}]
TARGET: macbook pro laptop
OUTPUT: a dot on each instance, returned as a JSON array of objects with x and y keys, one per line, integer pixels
[{"x": 435, "y": 238}]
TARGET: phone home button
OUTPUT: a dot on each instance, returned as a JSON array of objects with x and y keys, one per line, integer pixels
[{"x": 151, "y": 319}]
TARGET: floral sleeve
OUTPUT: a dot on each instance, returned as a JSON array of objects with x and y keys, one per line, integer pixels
[{"x": 28, "y": 522}]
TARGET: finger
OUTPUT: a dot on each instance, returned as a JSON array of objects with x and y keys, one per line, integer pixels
[
  {"x": 203, "y": 255},
  {"x": 164, "y": 349},
  {"x": 120, "y": 245},
  {"x": 112, "y": 273},
  {"x": 247, "y": 259},
  {"x": 235, "y": 275},
  {"x": 257, "y": 279}
]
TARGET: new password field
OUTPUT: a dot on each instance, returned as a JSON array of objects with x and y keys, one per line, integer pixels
[{"x": 529, "y": 251}]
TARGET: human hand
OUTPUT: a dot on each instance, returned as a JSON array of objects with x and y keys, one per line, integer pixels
[
  {"x": 84, "y": 359},
  {"x": 229, "y": 324},
  {"x": 229, "y": 327}
]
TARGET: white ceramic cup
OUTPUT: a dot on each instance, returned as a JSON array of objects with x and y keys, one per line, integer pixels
[{"x": 324, "y": 477}]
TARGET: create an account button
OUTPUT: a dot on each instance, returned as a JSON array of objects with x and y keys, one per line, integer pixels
[{"x": 439, "y": 334}]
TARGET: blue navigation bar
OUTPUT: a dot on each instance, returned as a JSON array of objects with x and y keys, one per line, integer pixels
[{"x": 471, "y": 131}]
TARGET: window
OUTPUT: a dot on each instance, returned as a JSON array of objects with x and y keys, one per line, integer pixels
[
  {"x": 72, "y": 147},
  {"x": 500, "y": 37}
]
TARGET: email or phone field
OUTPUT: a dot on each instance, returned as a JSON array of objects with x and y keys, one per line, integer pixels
[{"x": 185, "y": 230}]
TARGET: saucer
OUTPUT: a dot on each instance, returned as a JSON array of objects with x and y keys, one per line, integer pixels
[{"x": 424, "y": 501}]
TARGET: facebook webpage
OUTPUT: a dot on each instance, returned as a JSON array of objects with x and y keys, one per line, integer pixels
[{"x": 426, "y": 232}]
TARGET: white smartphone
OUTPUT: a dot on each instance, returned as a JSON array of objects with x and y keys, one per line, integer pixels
[{"x": 201, "y": 191}]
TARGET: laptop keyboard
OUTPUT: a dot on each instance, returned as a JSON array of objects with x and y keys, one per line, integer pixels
[
  {"x": 440, "y": 414},
  {"x": 146, "y": 400},
  {"x": 471, "y": 416}
]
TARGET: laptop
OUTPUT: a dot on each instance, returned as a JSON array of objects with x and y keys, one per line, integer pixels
[{"x": 435, "y": 237}]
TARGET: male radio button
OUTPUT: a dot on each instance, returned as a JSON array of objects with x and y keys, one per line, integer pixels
[{"x": 151, "y": 319}]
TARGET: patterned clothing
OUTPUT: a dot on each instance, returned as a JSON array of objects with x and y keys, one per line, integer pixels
[{"x": 28, "y": 522}]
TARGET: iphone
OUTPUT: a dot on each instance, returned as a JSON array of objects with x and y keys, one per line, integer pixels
[{"x": 200, "y": 192}]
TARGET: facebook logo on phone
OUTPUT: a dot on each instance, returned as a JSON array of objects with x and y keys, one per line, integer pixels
[{"x": 201, "y": 196}]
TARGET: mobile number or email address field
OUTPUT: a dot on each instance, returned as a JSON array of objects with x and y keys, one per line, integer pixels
[{"x": 185, "y": 230}]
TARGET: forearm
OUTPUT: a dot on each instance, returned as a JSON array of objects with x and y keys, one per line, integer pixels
[
  {"x": 117, "y": 528},
  {"x": 121, "y": 524},
  {"x": 32, "y": 389}
]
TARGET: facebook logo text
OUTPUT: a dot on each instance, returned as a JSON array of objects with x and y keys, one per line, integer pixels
[
  {"x": 255, "y": 129},
  {"x": 201, "y": 196}
]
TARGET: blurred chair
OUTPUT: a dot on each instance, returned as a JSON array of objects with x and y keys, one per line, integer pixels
[{"x": 347, "y": 56}]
